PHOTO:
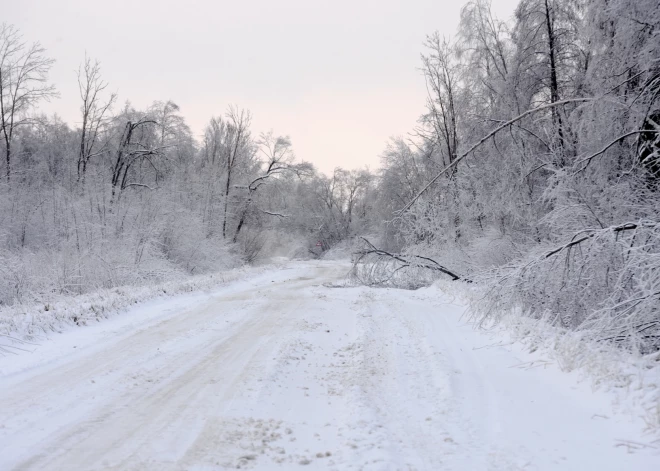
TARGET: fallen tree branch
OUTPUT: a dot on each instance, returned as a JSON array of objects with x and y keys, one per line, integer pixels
[
  {"x": 406, "y": 260},
  {"x": 274, "y": 214},
  {"x": 141, "y": 185}
]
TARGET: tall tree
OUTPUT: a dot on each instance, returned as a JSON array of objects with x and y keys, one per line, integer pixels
[
  {"x": 93, "y": 111},
  {"x": 548, "y": 43},
  {"x": 23, "y": 83},
  {"x": 238, "y": 149},
  {"x": 277, "y": 155},
  {"x": 442, "y": 75}
]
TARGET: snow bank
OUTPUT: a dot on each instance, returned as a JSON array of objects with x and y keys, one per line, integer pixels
[
  {"x": 631, "y": 378},
  {"x": 24, "y": 322}
]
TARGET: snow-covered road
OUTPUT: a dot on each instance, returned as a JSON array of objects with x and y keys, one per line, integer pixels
[{"x": 282, "y": 372}]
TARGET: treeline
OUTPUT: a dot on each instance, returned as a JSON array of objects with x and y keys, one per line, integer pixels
[
  {"x": 130, "y": 196},
  {"x": 535, "y": 167}
]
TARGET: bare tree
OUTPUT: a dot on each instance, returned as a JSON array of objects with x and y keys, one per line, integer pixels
[
  {"x": 93, "y": 110},
  {"x": 442, "y": 80},
  {"x": 23, "y": 83},
  {"x": 131, "y": 151},
  {"x": 484, "y": 35},
  {"x": 213, "y": 141},
  {"x": 238, "y": 146},
  {"x": 548, "y": 46},
  {"x": 278, "y": 159}
]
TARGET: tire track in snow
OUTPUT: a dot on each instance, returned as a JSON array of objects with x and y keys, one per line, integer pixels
[{"x": 194, "y": 379}]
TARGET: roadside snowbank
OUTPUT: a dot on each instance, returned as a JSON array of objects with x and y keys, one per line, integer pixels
[
  {"x": 632, "y": 380},
  {"x": 22, "y": 323}
]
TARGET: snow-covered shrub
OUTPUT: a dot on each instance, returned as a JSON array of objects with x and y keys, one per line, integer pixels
[
  {"x": 603, "y": 282},
  {"x": 30, "y": 320},
  {"x": 342, "y": 250},
  {"x": 385, "y": 272}
]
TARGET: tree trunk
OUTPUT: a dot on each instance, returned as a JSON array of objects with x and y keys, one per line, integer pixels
[
  {"x": 8, "y": 157},
  {"x": 82, "y": 158},
  {"x": 240, "y": 226},
  {"x": 554, "y": 83},
  {"x": 224, "y": 221}
]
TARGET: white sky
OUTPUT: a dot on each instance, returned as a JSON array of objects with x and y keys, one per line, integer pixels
[{"x": 339, "y": 76}]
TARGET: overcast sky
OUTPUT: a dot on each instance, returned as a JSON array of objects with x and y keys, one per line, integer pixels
[{"x": 339, "y": 76}]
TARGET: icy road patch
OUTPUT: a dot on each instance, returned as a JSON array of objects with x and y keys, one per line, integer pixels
[{"x": 282, "y": 372}]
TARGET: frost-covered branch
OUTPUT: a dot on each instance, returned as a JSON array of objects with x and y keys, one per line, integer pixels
[
  {"x": 486, "y": 138},
  {"x": 406, "y": 261}
]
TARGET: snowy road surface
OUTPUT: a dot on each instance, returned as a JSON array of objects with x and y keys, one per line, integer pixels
[{"x": 281, "y": 372}]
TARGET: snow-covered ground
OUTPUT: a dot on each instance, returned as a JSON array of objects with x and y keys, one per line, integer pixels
[{"x": 283, "y": 371}]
